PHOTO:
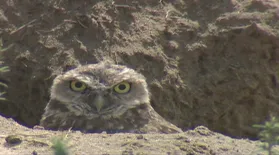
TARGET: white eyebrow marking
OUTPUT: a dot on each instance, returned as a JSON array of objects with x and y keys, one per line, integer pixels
[{"x": 124, "y": 71}]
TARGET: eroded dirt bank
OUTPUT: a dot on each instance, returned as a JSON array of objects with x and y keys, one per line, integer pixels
[{"x": 210, "y": 63}]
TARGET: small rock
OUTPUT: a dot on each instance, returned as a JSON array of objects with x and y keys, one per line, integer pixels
[{"x": 34, "y": 153}]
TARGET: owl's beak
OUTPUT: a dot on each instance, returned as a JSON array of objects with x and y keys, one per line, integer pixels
[{"x": 99, "y": 102}]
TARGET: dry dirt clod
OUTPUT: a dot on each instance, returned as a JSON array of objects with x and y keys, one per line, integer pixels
[
  {"x": 13, "y": 139},
  {"x": 140, "y": 137}
]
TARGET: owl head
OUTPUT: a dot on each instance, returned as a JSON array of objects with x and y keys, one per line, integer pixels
[{"x": 100, "y": 90}]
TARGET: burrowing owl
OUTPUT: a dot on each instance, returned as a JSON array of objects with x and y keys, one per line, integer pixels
[{"x": 103, "y": 97}]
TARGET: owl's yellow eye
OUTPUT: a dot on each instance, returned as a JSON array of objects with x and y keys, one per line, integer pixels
[
  {"x": 77, "y": 86},
  {"x": 122, "y": 87}
]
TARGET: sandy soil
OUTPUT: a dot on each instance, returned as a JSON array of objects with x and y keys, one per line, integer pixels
[
  {"x": 193, "y": 142},
  {"x": 206, "y": 63}
]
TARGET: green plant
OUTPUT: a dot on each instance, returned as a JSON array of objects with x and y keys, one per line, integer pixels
[
  {"x": 3, "y": 68},
  {"x": 60, "y": 146},
  {"x": 269, "y": 134}
]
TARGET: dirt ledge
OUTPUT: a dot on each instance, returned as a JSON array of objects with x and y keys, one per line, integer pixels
[
  {"x": 193, "y": 142},
  {"x": 210, "y": 63}
]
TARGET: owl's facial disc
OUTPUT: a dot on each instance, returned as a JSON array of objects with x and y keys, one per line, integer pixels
[{"x": 95, "y": 91}]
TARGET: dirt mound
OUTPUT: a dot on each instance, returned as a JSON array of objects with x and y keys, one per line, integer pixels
[
  {"x": 193, "y": 142},
  {"x": 207, "y": 63}
]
